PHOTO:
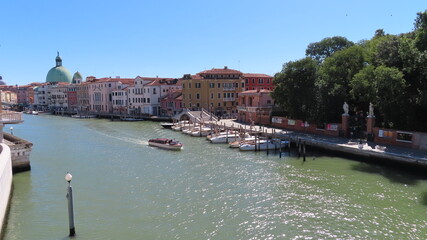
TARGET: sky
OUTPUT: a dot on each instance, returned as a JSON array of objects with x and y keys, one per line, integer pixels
[{"x": 168, "y": 38}]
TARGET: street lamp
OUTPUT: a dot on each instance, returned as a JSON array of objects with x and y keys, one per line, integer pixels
[
  {"x": 11, "y": 130},
  {"x": 69, "y": 196}
]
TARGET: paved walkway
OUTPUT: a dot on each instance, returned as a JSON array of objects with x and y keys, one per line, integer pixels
[{"x": 370, "y": 149}]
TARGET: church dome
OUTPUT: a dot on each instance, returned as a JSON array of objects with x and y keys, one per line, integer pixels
[
  {"x": 77, "y": 76},
  {"x": 58, "y": 73}
]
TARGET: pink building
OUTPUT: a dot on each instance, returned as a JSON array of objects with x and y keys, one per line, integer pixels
[
  {"x": 100, "y": 97},
  {"x": 171, "y": 104},
  {"x": 255, "y": 106}
]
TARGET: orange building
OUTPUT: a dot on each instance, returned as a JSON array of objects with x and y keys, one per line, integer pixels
[{"x": 215, "y": 90}]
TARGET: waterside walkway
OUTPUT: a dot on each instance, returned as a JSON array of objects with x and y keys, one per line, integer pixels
[{"x": 345, "y": 146}]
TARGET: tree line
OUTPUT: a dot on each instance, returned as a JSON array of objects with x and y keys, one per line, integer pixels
[{"x": 389, "y": 71}]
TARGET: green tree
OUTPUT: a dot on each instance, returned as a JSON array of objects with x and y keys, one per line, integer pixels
[
  {"x": 295, "y": 89},
  {"x": 390, "y": 90},
  {"x": 326, "y": 47},
  {"x": 421, "y": 31},
  {"x": 334, "y": 78}
]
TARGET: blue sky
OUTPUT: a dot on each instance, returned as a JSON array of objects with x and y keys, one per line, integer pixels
[{"x": 172, "y": 38}]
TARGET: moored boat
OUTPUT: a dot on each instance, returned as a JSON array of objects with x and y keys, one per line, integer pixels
[
  {"x": 263, "y": 144},
  {"x": 167, "y": 125},
  {"x": 165, "y": 143}
]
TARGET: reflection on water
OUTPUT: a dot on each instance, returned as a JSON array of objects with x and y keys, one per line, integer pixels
[{"x": 125, "y": 189}]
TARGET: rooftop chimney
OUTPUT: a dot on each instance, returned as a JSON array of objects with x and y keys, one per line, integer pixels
[{"x": 225, "y": 67}]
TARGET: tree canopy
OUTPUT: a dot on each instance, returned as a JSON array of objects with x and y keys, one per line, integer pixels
[{"x": 389, "y": 71}]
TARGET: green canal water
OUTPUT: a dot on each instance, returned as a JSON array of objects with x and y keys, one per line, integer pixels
[{"x": 124, "y": 189}]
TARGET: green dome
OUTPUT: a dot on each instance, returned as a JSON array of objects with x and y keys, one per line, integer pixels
[
  {"x": 77, "y": 75},
  {"x": 58, "y": 74}
]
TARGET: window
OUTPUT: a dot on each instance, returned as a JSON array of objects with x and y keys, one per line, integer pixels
[
  {"x": 219, "y": 104},
  {"x": 183, "y": 85},
  {"x": 260, "y": 81},
  {"x": 212, "y": 95},
  {"x": 219, "y": 85},
  {"x": 154, "y": 91},
  {"x": 198, "y": 85},
  {"x": 246, "y": 81},
  {"x": 243, "y": 85},
  {"x": 189, "y": 85},
  {"x": 197, "y": 96},
  {"x": 148, "y": 100},
  {"x": 253, "y": 80},
  {"x": 219, "y": 95},
  {"x": 211, "y": 85}
]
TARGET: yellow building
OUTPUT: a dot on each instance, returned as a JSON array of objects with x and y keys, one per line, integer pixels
[{"x": 214, "y": 90}]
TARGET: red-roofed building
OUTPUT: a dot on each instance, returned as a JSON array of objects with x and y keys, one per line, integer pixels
[
  {"x": 255, "y": 81},
  {"x": 215, "y": 90},
  {"x": 100, "y": 98},
  {"x": 255, "y": 106}
]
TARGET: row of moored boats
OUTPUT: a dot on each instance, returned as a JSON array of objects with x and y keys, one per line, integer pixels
[{"x": 235, "y": 138}]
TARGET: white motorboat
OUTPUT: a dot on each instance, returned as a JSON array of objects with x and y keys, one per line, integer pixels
[
  {"x": 264, "y": 144},
  {"x": 165, "y": 143},
  {"x": 238, "y": 142},
  {"x": 227, "y": 138}
]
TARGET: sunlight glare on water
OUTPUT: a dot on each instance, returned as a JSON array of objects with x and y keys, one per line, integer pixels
[{"x": 125, "y": 189}]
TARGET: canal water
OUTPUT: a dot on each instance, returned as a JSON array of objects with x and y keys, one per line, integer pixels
[{"x": 124, "y": 189}]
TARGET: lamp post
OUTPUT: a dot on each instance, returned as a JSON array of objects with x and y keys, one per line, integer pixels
[
  {"x": 69, "y": 196},
  {"x": 11, "y": 130}
]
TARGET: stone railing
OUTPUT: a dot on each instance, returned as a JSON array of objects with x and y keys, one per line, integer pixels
[{"x": 10, "y": 117}]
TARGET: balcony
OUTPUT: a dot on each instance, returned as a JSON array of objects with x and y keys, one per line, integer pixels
[
  {"x": 10, "y": 117},
  {"x": 228, "y": 88}
]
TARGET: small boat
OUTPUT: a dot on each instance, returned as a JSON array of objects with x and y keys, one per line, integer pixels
[
  {"x": 165, "y": 143},
  {"x": 131, "y": 119},
  {"x": 167, "y": 125},
  {"x": 34, "y": 113},
  {"x": 238, "y": 142},
  {"x": 83, "y": 116},
  {"x": 264, "y": 144},
  {"x": 227, "y": 138}
]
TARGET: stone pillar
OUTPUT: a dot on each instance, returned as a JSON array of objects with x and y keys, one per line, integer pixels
[
  {"x": 344, "y": 124},
  {"x": 370, "y": 124}
]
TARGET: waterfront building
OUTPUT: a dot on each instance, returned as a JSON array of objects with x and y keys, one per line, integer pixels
[
  {"x": 154, "y": 91},
  {"x": 119, "y": 98},
  {"x": 100, "y": 98},
  {"x": 215, "y": 90},
  {"x": 171, "y": 104},
  {"x": 136, "y": 94},
  {"x": 9, "y": 97},
  {"x": 57, "y": 96},
  {"x": 41, "y": 97},
  {"x": 58, "y": 73},
  {"x": 72, "y": 98},
  {"x": 82, "y": 91},
  {"x": 255, "y": 81},
  {"x": 255, "y": 106}
]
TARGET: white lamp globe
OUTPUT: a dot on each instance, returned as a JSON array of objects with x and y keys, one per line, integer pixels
[{"x": 68, "y": 177}]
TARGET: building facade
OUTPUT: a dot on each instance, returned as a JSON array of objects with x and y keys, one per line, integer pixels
[
  {"x": 215, "y": 90},
  {"x": 255, "y": 106},
  {"x": 255, "y": 81}
]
